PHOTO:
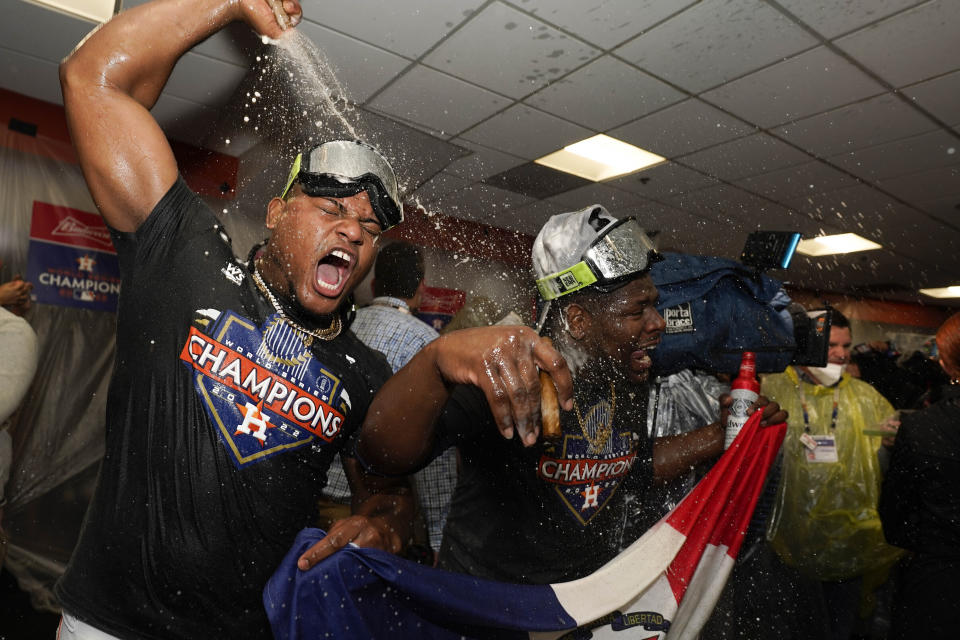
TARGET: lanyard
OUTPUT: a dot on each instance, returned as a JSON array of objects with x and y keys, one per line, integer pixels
[{"x": 806, "y": 415}]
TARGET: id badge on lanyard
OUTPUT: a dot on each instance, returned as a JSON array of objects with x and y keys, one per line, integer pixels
[{"x": 819, "y": 448}]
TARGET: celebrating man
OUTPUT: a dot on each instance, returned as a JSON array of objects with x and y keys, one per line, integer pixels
[{"x": 234, "y": 385}]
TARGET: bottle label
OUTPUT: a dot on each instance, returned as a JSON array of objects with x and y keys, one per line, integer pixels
[{"x": 739, "y": 414}]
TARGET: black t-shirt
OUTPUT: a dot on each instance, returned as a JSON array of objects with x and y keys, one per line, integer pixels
[
  {"x": 547, "y": 513},
  {"x": 221, "y": 424}
]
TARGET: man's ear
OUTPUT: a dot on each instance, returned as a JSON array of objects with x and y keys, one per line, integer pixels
[
  {"x": 275, "y": 210},
  {"x": 579, "y": 321}
]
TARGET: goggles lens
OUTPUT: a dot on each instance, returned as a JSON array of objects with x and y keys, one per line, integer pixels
[
  {"x": 343, "y": 168},
  {"x": 620, "y": 252}
]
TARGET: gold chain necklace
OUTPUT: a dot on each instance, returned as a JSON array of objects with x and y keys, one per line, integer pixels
[
  {"x": 329, "y": 333},
  {"x": 598, "y": 441}
]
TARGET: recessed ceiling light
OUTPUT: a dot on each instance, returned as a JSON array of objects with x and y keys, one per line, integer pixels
[
  {"x": 841, "y": 243},
  {"x": 96, "y": 10},
  {"x": 943, "y": 292},
  {"x": 600, "y": 158}
]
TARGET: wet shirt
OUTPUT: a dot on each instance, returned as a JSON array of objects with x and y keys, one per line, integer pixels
[
  {"x": 221, "y": 424},
  {"x": 550, "y": 512}
]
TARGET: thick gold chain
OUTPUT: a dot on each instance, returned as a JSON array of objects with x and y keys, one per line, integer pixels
[
  {"x": 329, "y": 333},
  {"x": 598, "y": 441}
]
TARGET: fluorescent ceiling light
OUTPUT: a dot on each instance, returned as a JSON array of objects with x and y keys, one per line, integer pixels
[
  {"x": 600, "y": 158},
  {"x": 829, "y": 245},
  {"x": 943, "y": 292},
  {"x": 96, "y": 10}
]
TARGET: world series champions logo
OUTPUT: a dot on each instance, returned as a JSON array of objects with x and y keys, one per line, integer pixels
[{"x": 262, "y": 387}]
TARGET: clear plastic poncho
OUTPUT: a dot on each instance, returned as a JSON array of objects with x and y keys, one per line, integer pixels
[{"x": 825, "y": 521}]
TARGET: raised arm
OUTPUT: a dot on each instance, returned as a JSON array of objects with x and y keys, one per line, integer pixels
[
  {"x": 503, "y": 361},
  {"x": 113, "y": 78}
]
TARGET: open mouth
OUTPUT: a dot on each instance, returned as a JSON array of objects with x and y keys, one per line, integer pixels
[
  {"x": 332, "y": 271},
  {"x": 640, "y": 359}
]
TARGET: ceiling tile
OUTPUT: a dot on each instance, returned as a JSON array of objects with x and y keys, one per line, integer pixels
[
  {"x": 395, "y": 26},
  {"x": 682, "y": 128},
  {"x": 509, "y": 52},
  {"x": 794, "y": 182},
  {"x": 745, "y": 157},
  {"x": 664, "y": 222},
  {"x": 439, "y": 185},
  {"x": 926, "y": 186},
  {"x": 909, "y": 47},
  {"x": 855, "y": 209},
  {"x": 745, "y": 211},
  {"x": 604, "y": 94},
  {"x": 811, "y": 82},
  {"x": 188, "y": 121},
  {"x": 530, "y": 218},
  {"x": 439, "y": 101},
  {"x": 692, "y": 234},
  {"x": 664, "y": 180},
  {"x": 617, "y": 201},
  {"x": 535, "y": 180},
  {"x": 204, "y": 80},
  {"x": 237, "y": 43},
  {"x": 32, "y": 77},
  {"x": 526, "y": 132},
  {"x": 715, "y": 41},
  {"x": 58, "y": 32},
  {"x": 606, "y": 23},
  {"x": 481, "y": 162},
  {"x": 945, "y": 208},
  {"x": 940, "y": 96},
  {"x": 901, "y": 157},
  {"x": 360, "y": 68},
  {"x": 479, "y": 202},
  {"x": 864, "y": 124},
  {"x": 832, "y": 18}
]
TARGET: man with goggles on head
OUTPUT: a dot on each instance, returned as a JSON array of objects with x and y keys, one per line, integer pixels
[
  {"x": 528, "y": 509},
  {"x": 235, "y": 385}
]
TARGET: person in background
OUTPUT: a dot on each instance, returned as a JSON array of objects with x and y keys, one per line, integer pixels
[
  {"x": 234, "y": 384},
  {"x": 18, "y": 344},
  {"x": 825, "y": 522},
  {"x": 920, "y": 507},
  {"x": 388, "y": 325}
]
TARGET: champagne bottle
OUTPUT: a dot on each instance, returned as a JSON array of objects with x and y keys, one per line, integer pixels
[{"x": 744, "y": 391}]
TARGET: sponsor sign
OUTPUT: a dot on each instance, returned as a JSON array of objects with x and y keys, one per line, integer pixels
[
  {"x": 71, "y": 260},
  {"x": 438, "y": 306}
]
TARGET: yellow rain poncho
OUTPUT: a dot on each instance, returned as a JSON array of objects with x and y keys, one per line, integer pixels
[{"x": 825, "y": 520}]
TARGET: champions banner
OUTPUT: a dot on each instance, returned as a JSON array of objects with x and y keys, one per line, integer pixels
[
  {"x": 663, "y": 586},
  {"x": 72, "y": 261},
  {"x": 439, "y": 305}
]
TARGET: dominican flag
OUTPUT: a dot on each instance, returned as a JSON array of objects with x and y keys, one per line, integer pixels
[{"x": 664, "y": 585}]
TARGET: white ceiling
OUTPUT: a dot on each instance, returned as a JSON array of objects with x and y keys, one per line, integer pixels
[{"x": 807, "y": 115}]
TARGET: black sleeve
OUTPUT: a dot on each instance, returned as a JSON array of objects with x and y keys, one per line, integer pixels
[
  {"x": 900, "y": 494},
  {"x": 466, "y": 417}
]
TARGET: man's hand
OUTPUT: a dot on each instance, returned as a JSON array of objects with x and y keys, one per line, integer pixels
[
  {"x": 263, "y": 18},
  {"x": 382, "y": 516},
  {"x": 361, "y": 530},
  {"x": 890, "y": 425},
  {"x": 505, "y": 362},
  {"x": 772, "y": 413},
  {"x": 15, "y": 293}
]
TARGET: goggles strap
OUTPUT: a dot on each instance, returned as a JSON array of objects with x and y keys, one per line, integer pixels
[
  {"x": 294, "y": 172},
  {"x": 567, "y": 281}
]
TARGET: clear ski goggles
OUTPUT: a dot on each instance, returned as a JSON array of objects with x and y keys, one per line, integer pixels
[
  {"x": 344, "y": 168},
  {"x": 620, "y": 253}
]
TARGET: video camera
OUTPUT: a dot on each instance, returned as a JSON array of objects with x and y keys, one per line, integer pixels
[{"x": 811, "y": 329}]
